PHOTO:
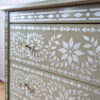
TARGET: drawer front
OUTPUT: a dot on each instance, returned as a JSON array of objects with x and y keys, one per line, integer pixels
[
  {"x": 30, "y": 84},
  {"x": 69, "y": 50},
  {"x": 79, "y": 14}
]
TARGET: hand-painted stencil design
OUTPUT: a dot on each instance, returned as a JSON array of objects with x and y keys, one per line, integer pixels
[
  {"x": 18, "y": 44},
  {"x": 46, "y": 86},
  {"x": 26, "y": 87},
  {"x": 93, "y": 54},
  {"x": 71, "y": 51},
  {"x": 30, "y": 45},
  {"x": 36, "y": 50},
  {"x": 58, "y": 49},
  {"x": 65, "y": 14}
]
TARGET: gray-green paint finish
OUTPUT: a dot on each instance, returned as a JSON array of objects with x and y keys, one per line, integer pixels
[
  {"x": 71, "y": 50},
  {"x": 74, "y": 14},
  {"x": 85, "y": 90},
  {"x": 31, "y": 84}
]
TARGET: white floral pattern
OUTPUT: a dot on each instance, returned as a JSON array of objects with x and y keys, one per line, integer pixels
[
  {"x": 63, "y": 54},
  {"x": 65, "y": 95},
  {"x": 17, "y": 44},
  {"x": 36, "y": 42},
  {"x": 71, "y": 51},
  {"x": 36, "y": 90},
  {"x": 93, "y": 50},
  {"x": 48, "y": 86}
]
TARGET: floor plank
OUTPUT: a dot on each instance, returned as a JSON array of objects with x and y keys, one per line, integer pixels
[{"x": 2, "y": 91}]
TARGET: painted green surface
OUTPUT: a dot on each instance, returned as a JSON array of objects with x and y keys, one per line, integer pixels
[
  {"x": 68, "y": 50},
  {"x": 31, "y": 84},
  {"x": 57, "y": 61},
  {"x": 74, "y": 14}
]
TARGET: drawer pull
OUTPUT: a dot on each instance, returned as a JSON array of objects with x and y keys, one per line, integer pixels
[
  {"x": 25, "y": 85},
  {"x": 31, "y": 48},
  {"x": 27, "y": 46}
]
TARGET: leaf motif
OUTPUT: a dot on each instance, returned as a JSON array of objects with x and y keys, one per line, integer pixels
[
  {"x": 57, "y": 98},
  {"x": 76, "y": 46},
  {"x": 86, "y": 94},
  {"x": 54, "y": 36},
  {"x": 78, "y": 52},
  {"x": 90, "y": 60},
  {"x": 92, "y": 39},
  {"x": 66, "y": 64},
  {"x": 49, "y": 43},
  {"x": 46, "y": 46},
  {"x": 95, "y": 43},
  {"x": 58, "y": 36},
  {"x": 82, "y": 71},
  {"x": 75, "y": 58},
  {"x": 54, "y": 47},
  {"x": 69, "y": 60},
  {"x": 87, "y": 46},
  {"x": 79, "y": 92},
  {"x": 61, "y": 95},
  {"x": 50, "y": 91},
  {"x": 57, "y": 42},
  {"x": 86, "y": 38},
  {"x": 72, "y": 98},
  {"x": 91, "y": 53},
  {"x": 88, "y": 72},
  {"x": 62, "y": 50},
  {"x": 71, "y": 42},
  {"x": 66, "y": 95},
  {"x": 65, "y": 44},
  {"x": 64, "y": 57},
  {"x": 52, "y": 64},
  {"x": 93, "y": 70},
  {"x": 77, "y": 68},
  {"x": 52, "y": 39},
  {"x": 98, "y": 49},
  {"x": 62, "y": 65},
  {"x": 54, "y": 58},
  {"x": 53, "y": 53}
]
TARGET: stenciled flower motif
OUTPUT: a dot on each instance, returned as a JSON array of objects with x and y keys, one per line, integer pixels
[
  {"x": 17, "y": 43},
  {"x": 65, "y": 95},
  {"x": 38, "y": 89},
  {"x": 36, "y": 43},
  {"x": 26, "y": 87},
  {"x": 93, "y": 49},
  {"x": 71, "y": 51}
]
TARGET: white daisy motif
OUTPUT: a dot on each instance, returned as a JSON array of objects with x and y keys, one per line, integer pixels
[
  {"x": 71, "y": 51},
  {"x": 18, "y": 43},
  {"x": 36, "y": 44}
]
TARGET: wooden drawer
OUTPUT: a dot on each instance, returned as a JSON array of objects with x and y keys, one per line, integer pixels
[
  {"x": 70, "y": 50},
  {"x": 79, "y": 14},
  {"x": 30, "y": 84}
]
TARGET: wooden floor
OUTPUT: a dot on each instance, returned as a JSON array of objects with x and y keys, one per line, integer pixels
[{"x": 2, "y": 91}]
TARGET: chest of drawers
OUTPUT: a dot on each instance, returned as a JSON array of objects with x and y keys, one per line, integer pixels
[{"x": 53, "y": 51}]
